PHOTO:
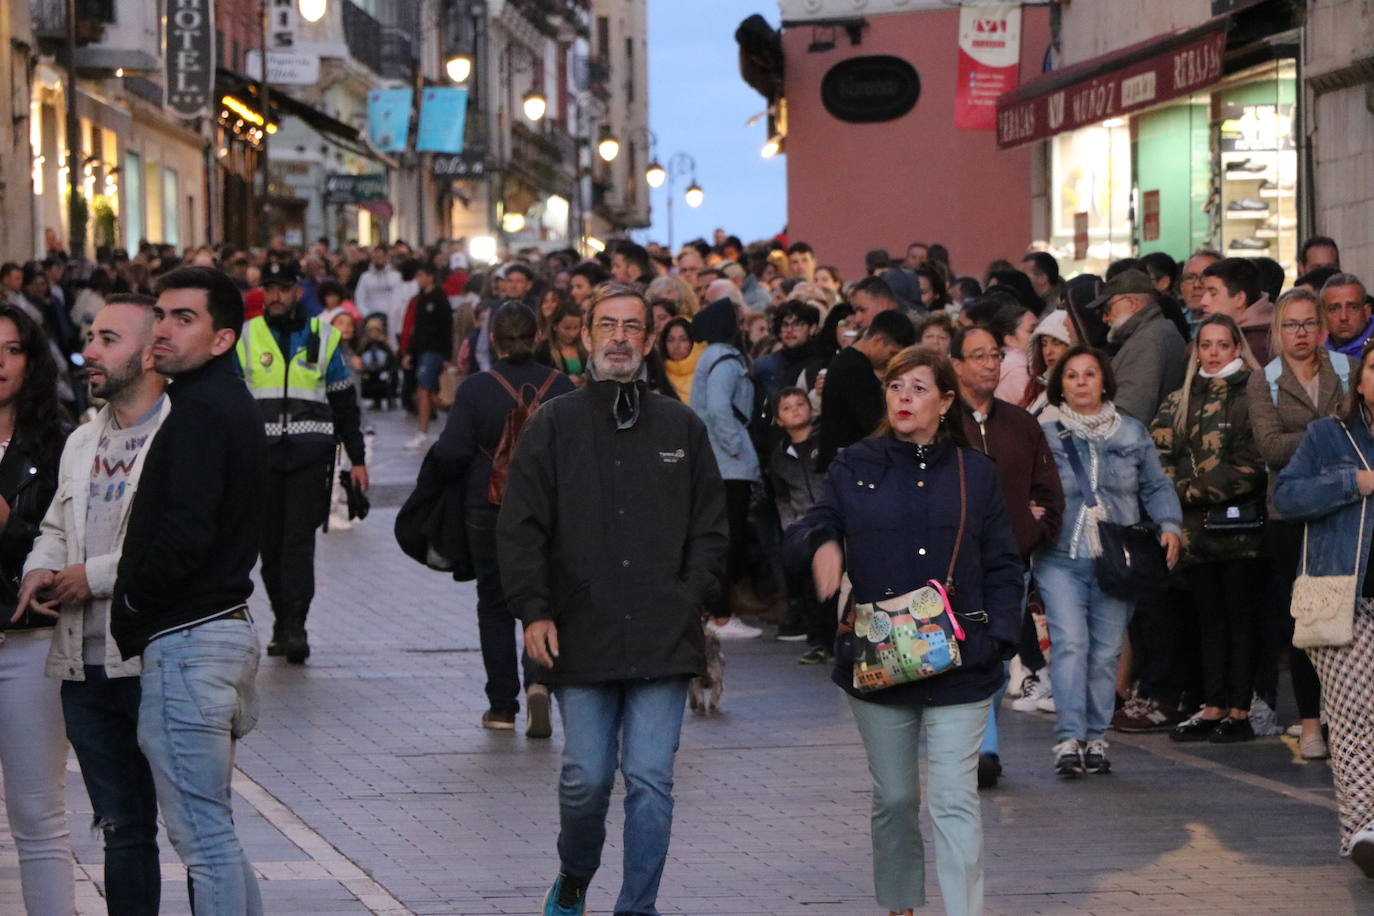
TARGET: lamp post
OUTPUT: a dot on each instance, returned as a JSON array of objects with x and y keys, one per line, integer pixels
[
  {"x": 76, "y": 205},
  {"x": 680, "y": 165}
]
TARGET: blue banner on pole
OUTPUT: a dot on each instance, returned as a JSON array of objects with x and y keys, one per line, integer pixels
[
  {"x": 388, "y": 118},
  {"x": 443, "y": 116}
]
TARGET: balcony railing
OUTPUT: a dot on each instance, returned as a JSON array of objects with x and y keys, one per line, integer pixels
[
  {"x": 385, "y": 50},
  {"x": 49, "y": 19}
]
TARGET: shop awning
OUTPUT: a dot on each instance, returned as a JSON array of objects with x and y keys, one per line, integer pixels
[{"x": 1116, "y": 84}]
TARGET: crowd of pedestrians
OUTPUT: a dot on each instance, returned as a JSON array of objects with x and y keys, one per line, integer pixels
[{"x": 1106, "y": 498}]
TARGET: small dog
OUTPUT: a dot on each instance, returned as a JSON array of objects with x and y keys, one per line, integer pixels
[{"x": 703, "y": 694}]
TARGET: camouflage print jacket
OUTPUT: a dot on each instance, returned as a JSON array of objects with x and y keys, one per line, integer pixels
[{"x": 1217, "y": 463}]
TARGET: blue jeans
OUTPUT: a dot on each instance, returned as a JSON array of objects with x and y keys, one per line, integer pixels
[
  {"x": 198, "y": 698},
  {"x": 633, "y": 725},
  {"x": 891, "y": 736},
  {"x": 102, "y": 726},
  {"x": 1087, "y": 628}
]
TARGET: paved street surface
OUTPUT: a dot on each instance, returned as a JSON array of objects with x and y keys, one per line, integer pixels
[{"x": 369, "y": 787}]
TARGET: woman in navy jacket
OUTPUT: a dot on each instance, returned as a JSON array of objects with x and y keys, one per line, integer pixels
[
  {"x": 888, "y": 515},
  {"x": 1328, "y": 485}
]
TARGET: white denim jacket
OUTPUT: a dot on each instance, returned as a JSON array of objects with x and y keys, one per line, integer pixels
[{"x": 62, "y": 542}]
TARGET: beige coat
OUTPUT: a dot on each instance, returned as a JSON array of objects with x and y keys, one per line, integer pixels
[
  {"x": 62, "y": 542},
  {"x": 1280, "y": 427}
]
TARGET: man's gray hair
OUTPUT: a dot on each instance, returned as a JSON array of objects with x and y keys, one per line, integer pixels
[
  {"x": 612, "y": 290},
  {"x": 1343, "y": 279}
]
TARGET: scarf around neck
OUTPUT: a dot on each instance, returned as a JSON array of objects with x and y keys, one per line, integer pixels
[
  {"x": 625, "y": 404},
  {"x": 1096, "y": 427},
  {"x": 1226, "y": 371}
]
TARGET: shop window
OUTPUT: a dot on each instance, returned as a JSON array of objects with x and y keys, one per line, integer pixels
[
  {"x": 134, "y": 231},
  {"x": 1258, "y": 166},
  {"x": 1092, "y": 176},
  {"x": 171, "y": 225},
  {"x": 152, "y": 190}
]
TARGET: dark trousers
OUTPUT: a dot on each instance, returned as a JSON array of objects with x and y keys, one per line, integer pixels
[
  {"x": 296, "y": 503},
  {"x": 737, "y": 496},
  {"x": 1226, "y": 595},
  {"x": 102, "y": 726},
  {"x": 1275, "y": 634},
  {"x": 1162, "y": 636},
  {"x": 496, "y": 628}
]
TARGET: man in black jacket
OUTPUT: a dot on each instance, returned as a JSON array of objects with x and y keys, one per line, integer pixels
[
  {"x": 180, "y": 597},
  {"x": 429, "y": 349},
  {"x": 852, "y": 399},
  {"x": 611, "y": 540}
]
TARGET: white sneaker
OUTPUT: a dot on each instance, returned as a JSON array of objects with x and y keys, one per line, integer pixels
[
  {"x": 1294, "y": 730},
  {"x": 418, "y": 441},
  {"x": 1033, "y": 689},
  {"x": 339, "y": 522},
  {"x": 1045, "y": 703},
  {"x": 734, "y": 628},
  {"x": 1016, "y": 677}
]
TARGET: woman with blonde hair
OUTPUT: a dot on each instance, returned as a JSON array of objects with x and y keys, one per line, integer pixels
[
  {"x": 675, "y": 289},
  {"x": 1208, "y": 449}
]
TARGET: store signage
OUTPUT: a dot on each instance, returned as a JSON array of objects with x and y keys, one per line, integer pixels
[
  {"x": 388, "y": 118},
  {"x": 443, "y": 117},
  {"x": 1080, "y": 236},
  {"x": 864, "y": 90},
  {"x": 989, "y": 62},
  {"x": 190, "y": 57},
  {"x": 1051, "y": 105},
  {"x": 1149, "y": 208},
  {"x": 458, "y": 165},
  {"x": 354, "y": 189},
  {"x": 285, "y": 68}
]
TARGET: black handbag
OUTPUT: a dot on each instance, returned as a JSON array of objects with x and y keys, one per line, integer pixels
[
  {"x": 1132, "y": 559},
  {"x": 1235, "y": 518}
]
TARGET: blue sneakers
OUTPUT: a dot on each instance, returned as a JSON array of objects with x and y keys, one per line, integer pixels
[{"x": 566, "y": 898}]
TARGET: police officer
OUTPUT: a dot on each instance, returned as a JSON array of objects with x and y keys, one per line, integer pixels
[{"x": 296, "y": 373}]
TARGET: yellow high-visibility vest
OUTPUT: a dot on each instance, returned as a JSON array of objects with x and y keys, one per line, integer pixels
[{"x": 291, "y": 392}]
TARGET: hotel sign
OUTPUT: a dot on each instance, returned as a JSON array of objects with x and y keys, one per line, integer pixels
[
  {"x": 190, "y": 57},
  {"x": 1058, "y": 102}
]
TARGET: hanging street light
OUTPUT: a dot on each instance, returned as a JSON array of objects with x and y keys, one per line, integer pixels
[
  {"x": 655, "y": 174},
  {"x": 772, "y": 147},
  {"x": 608, "y": 147},
  {"x": 313, "y": 10},
  {"x": 694, "y": 195},
  {"x": 535, "y": 105},
  {"x": 459, "y": 67}
]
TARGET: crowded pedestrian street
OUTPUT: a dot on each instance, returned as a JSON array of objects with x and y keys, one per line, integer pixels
[{"x": 369, "y": 786}]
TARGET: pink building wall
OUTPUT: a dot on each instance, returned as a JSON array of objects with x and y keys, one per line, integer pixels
[{"x": 854, "y": 187}]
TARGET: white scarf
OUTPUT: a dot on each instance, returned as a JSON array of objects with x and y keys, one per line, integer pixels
[
  {"x": 1097, "y": 427},
  {"x": 1225, "y": 371}
]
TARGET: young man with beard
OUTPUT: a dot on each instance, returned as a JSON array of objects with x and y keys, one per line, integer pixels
[
  {"x": 611, "y": 540},
  {"x": 180, "y": 599},
  {"x": 70, "y": 574}
]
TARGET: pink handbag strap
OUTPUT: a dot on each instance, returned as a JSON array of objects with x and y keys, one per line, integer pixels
[{"x": 944, "y": 596}]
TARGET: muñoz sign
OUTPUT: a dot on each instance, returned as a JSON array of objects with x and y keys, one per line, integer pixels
[
  {"x": 1056, "y": 102},
  {"x": 190, "y": 57}
]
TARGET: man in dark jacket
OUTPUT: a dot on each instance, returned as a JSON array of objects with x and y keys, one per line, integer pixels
[
  {"x": 611, "y": 540},
  {"x": 801, "y": 356},
  {"x": 1029, "y": 479},
  {"x": 428, "y": 349},
  {"x": 181, "y": 593},
  {"x": 852, "y": 399},
  {"x": 1150, "y": 363}
]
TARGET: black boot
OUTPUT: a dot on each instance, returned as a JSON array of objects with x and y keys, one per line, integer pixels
[
  {"x": 274, "y": 647},
  {"x": 294, "y": 644}
]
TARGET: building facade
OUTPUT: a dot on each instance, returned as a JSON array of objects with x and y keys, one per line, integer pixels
[
  {"x": 1239, "y": 125},
  {"x": 618, "y": 80},
  {"x": 18, "y": 238},
  {"x": 862, "y": 100}
]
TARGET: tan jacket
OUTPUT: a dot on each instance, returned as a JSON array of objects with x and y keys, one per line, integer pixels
[
  {"x": 62, "y": 543},
  {"x": 1280, "y": 427}
]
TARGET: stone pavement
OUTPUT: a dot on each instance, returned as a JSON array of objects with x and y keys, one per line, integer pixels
[{"x": 369, "y": 787}]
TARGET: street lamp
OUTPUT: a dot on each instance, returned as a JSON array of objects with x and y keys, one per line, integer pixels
[
  {"x": 682, "y": 165},
  {"x": 772, "y": 147},
  {"x": 608, "y": 147},
  {"x": 535, "y": 105},
  {"x": 459, "y": 67},
  {"x": 313, "y": 10},
  {"x": 655, "y": 174}
]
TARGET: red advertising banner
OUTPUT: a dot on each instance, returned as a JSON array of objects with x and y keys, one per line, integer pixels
[
  {"x": 1149, "y": 226},
  {"x": 989, "y": 62},
  {"x": 1110, "y": 86}
]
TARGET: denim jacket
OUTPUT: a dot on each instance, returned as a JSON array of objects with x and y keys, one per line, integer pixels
[
  {"x": 1318, "y": 487},
  {"x": 1128, "y": 475},
  {"x": 721, "y": 388}
]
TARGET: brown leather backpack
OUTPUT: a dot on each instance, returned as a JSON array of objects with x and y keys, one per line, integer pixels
[{"x": 510, "y": 432}]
